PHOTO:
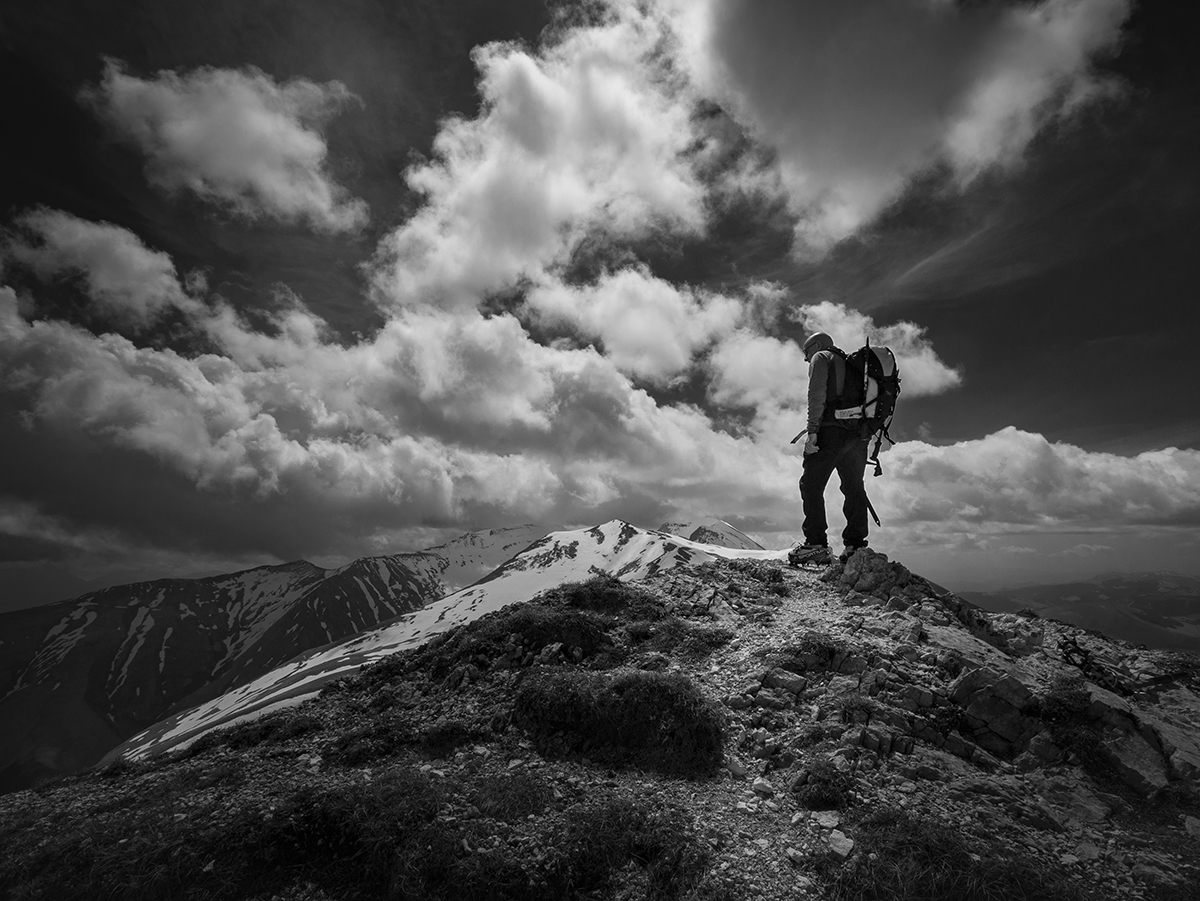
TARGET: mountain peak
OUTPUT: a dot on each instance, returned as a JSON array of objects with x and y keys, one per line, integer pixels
[{"x": 721, "y": 727}]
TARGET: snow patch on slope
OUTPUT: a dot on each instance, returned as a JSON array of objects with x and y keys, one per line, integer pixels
[{"x": 616, "y": 548}]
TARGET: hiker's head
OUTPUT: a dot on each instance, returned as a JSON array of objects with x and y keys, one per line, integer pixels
[{"x": 818, "y": 342}]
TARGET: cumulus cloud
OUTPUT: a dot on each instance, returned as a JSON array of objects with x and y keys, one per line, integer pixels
[
  {"x": 129, "y": 283},
  {"x": 438, "y": 419},
  {"x": 1087, "y": 550},
  {"x": 447, "y": 416},
  {"x": 859, "y": 96},
  {"x": 235, "y": 138},
  {"x": 650, "y": 328},
  {"x": 1019, "y": 479},
  {"x": 589, "y": 135},
  {"x": 922, "y": 372},
  {"x": 755, "y": 370}
]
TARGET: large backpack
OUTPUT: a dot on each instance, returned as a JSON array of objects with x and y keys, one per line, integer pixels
[{"x": 868, "y": 395}]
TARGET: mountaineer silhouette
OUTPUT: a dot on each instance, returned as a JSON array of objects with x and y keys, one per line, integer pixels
[{"x": 851, "y": 397}]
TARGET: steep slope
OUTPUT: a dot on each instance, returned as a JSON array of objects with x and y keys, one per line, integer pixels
[
  {"x": 469, "y": 557},
  {"x": 719, "y": 729},
  {"x": 1157, "y": 609},
  {"x": 712, "y": 531},
  {"x": 616, "y": 548},
  {"x": 79, "y": 676}
]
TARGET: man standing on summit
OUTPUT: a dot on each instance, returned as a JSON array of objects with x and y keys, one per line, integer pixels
[{"x": 830, "y": 443}]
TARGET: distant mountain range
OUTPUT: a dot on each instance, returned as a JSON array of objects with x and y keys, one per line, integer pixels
[
  {"x": 77, "y": 677},
  {"x": 616, "y": 548},
  {"x": 1157, "y": 609}
]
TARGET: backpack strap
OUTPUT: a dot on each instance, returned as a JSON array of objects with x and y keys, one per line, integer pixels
[
  {"x": 883, "y": 433},
  {"x": 866, "y": 375}
]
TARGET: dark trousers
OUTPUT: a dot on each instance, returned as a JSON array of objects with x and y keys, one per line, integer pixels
[{"x": 843, "y": 450}]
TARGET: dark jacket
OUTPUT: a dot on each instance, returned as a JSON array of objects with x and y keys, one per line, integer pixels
[{"x": 826, "y": 376}]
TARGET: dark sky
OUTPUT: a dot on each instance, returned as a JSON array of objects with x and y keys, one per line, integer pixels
[{"x": 308, "y": 279}]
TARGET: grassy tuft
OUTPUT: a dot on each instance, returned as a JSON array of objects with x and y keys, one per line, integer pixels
[
  {"x": 446, "y": 736},
  {"x": 342, "y": 838},
  {"x": 827, "y": 787},
  {"x": 514, "y": 797},
  {"x": 368, "y": 743},
  {"x": 674, "y": 635},
  {"x": 650, "y": 719},
  {"x": 606, "y": 594},
  {"x": 271, "y": 728},
  {"x": 902, "y": 857},
  {"x": 1064, "y": 710},
  {"x": 512, "y": 635}
]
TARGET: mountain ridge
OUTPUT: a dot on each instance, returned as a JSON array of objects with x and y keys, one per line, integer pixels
[
  {"x": 723, "y": 727},
  {"x": 79, "y": 676},
  {"x": 1158, "y": 609},
  {"x": 615, "y": 547}
]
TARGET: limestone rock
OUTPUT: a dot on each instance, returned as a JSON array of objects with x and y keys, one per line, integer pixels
[
  {"x": 736, "y": 767},
  {"x": 827, "y": 819},
  {"x": 762, "y": 788},
  {"x": 840, "y": 845},
  {"x": 1139, "y": 765},
  {"x": 781, "y": 678},
  {"x": 1191, "y": 825}
]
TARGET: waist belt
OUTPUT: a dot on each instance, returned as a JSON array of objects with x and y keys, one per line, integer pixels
[{"x": 853, "y": 412}]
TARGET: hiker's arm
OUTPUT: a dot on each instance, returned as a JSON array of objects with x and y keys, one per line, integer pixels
[{"x": 818, "y": 382}]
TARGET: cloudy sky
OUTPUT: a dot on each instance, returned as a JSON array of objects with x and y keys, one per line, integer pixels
[{"x": 288, "y": 278}]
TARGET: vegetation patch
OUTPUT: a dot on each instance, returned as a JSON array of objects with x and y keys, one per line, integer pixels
[
  {"x": 392, "y": 837},
  {"x": 761, "y": 571},
  {"x": 825, "y": 787},
  {"x": 654, "y": 720},
  {"x": 271, "y": 728},
  {"x": 674, "y": 635},
  {"x": 370, "y": 742},
  {"x": 903, "y": 857},
  {"x": 606, "y": 594},
  {"x": 343, "y": 838},
  {"x": 445, "y": 736},
  {"x": 513, "y": 798},
  {"x": 510, "y": 637},
  {"x": 1064, "y": 710}
]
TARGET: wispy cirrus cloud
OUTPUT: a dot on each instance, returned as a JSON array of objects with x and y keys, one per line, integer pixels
[{"x": 236, "y": 138}]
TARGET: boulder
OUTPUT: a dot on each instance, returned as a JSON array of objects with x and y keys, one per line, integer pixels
[
  {"x": 840, "y": 845},
  {"x": 1176, "y": 724},
  {"x": 781, "y": 678},
  {"x": 1191, "y": 826},
  {"x": 1109, "y": 708},
  {"x": 1140, "y": 766},
  {"x": 1075, "y": 799},
  {"x": 994, "y": 682}
]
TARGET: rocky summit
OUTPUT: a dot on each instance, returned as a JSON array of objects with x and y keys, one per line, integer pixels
[{"x": 726, "y": 728}]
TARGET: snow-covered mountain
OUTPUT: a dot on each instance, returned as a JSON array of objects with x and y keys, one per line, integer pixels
[
  {"x": 78, "y": 677},
  {"x": 616, "y": 548},
  {"x": 1157, "y": 609},
  {"x": 468, "y": 558},
  {"x": 712, "y": 531}
]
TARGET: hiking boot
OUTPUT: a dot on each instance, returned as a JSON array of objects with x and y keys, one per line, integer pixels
[
  {"x": 849, "y": 552},
  {"x": 809, "y": 553}
]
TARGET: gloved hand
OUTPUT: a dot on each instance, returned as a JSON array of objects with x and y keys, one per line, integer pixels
[{"x": 810, "y": 444}]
